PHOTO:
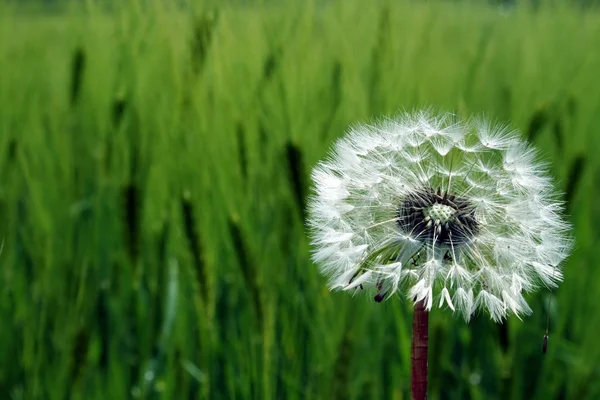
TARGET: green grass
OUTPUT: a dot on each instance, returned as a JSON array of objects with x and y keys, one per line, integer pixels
[{"x": 154, "y": 168}]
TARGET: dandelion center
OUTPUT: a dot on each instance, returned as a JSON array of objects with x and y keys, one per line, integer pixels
[
  {"x": 432, "y": 217},
  {"x": 440, "y": 212}
]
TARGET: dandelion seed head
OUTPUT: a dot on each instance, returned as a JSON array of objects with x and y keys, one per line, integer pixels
[{"x": 456, "y": 213}]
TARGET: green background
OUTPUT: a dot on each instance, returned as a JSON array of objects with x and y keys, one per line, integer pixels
[{"x": 154, "y": 169}]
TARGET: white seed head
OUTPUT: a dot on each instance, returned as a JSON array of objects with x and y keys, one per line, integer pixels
[{"x": 430, "y": 206}]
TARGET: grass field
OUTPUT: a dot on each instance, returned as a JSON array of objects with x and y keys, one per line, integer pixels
[{"x": 153, "y": 176}]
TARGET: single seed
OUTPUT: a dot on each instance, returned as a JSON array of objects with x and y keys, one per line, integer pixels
[{"x": 380, "y": 296}]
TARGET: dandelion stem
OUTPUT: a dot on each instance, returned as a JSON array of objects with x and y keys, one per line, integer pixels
[{"x": 420, "y": 336}]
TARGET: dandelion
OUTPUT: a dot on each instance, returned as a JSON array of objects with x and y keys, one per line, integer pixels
[
  {"x": 450, "y": 213},
  {"x": 458, "y": 214}
]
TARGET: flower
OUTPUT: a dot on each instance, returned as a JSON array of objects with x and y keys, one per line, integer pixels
[{"x": 456, "y": 213}]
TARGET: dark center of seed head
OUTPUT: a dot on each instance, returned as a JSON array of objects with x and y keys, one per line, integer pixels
[{"x": 432, "y": 217}]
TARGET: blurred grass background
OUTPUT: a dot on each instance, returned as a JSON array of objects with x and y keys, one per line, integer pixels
[{"x": 153, "y": 175}]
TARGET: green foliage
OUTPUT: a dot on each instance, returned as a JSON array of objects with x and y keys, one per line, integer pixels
[{"x": 153, "y": 177}]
